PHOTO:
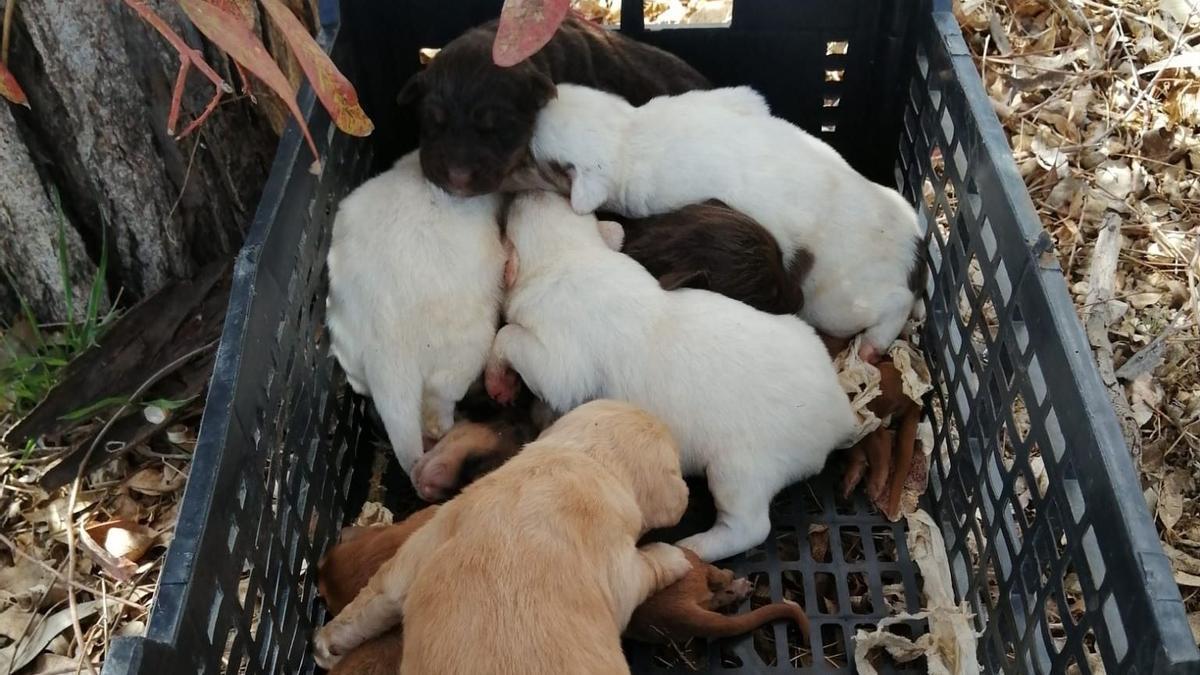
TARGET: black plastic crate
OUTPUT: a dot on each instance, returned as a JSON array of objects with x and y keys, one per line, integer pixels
[{"x": 285, "y": 450}]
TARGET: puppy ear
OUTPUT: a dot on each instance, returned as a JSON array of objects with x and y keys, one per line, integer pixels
[
  {"x": 686, "y": 279},
  {"x": 412, "y": 91},
  {"x": 511, "y": 264},
  {"x": 588, "y": 191},
  {"x": 612, "y": 233}
]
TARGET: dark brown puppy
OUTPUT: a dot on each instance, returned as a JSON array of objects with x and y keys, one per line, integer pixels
[
  {"x": 687, "y": 608},
  {"x": 343, "y": 572},
  {"x": 716, "y": 248},
  {"x": 477, "y": 118}
]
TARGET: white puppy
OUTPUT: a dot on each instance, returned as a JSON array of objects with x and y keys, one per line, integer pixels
[
  {"x": 414, "y": 298},
  {"x": 751, "y": 397},
  {"x": 724, "y": 144}
]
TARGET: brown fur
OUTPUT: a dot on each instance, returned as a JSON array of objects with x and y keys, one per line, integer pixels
[
  {"x": 487, "y": 435},
  {"x": 687, "y": 608},
  {"x": 347, "y": 568},
  {"x": 534, "y": 568},
  {"x": 477, "y": 118},
  {"x": 713, "y": 247},
  {"x": 882, "y": 454}
]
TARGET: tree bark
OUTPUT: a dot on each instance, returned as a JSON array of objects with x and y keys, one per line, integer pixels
[
  {"x": 99, "y": 82},
  {"x": 34, "y": 232}
]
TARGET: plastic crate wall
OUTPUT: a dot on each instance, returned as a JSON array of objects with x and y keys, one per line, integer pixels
[
  {"x": 278, "y": 453},
  {"x": 1073, "y": 578}
]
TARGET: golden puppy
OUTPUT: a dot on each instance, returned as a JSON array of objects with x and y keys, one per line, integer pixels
[{"x": 534, "y": 569}]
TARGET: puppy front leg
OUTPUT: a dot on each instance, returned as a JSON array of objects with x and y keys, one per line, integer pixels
[{"x": 379, "y": 605}]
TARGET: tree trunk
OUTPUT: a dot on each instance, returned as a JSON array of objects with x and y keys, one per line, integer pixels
[
  {"x": 99, "y": 82},
  {"x": 34, "y": 233}
]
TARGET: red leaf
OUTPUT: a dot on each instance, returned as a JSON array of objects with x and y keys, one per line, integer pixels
[
  {"x": 334, "y": 90},
  {"x": 229, "y": 32},
  {"x": 243, "y": 7},
  {"x": 9, "y": 88},
  {"x": 525, "y": 27}
]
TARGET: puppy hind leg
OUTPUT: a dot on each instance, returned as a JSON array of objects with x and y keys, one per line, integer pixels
[
  {"x": 443, "y": 390},
  {"x": 878, "y": 338},
  {"x": 743, "y": 515}
]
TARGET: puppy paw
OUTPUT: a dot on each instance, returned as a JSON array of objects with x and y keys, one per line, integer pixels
[
  {"x": 323, "y": 652},
  {"x": 672, "y": 565},
  {"x": 741, "y": 588},
  {"x": 502, "y": 383},
  {"x": 433, "y": 480},
  {"x": 870, "y": 354}
]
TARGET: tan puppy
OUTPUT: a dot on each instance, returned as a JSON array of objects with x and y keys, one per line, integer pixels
[{"x": 534, "y": 568}]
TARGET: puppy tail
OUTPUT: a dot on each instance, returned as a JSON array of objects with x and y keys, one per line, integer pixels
[{"x": 710, "y": 624}]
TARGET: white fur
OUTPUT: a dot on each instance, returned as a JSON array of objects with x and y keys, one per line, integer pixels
[
  {"x": 414, "y": 298},
  {"x": 752, "y": 398},
  {"x": 680, "y": 150}
]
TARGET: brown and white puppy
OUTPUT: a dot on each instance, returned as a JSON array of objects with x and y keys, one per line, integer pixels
[
  {"x": 347, "y": 568},
  {"x": 715, "y": 248},
  {"x": 477, "y": 118},
  {"x": 688, "y": 608},
  {"x": 534, "y": 568},
  {"x": 487, "y": 435}
]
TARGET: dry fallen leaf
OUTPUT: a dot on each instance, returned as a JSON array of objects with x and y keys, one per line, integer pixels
[
  {"x": 9, "y": 88},
  {"x": 332, "y": 88},
  {"x": 18, "y": 655},
  {"x": 14, "y": 621},
  {"x": 860, "y": 381},
  {"x": 123, "y": 538},
  {"x": 24, "y": 582},
  {"x": 153, "y": 480},
  {"x": 230, "y": 33},
  {"x": 525, "y": 27},
  {"x": 52, "y": 664},
  {"x": 426, "y": 54},
  {"x": 949, "y": 646},
  {"x": 374, "y": 513},
  {"x": 1170, "y": 497}
]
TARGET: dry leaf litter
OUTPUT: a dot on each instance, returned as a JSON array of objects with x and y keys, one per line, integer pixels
[
  {"x": 124, "y": 517},
  {"x": 1101, "y": 103}
]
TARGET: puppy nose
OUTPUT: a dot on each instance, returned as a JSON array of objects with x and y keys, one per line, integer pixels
[{"x": 460, "y": 179}]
